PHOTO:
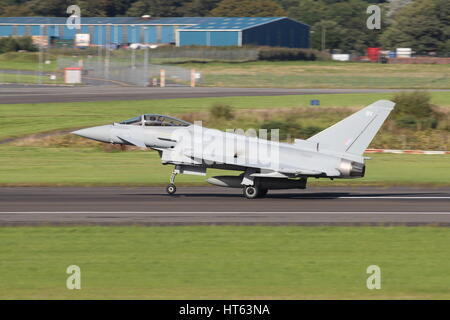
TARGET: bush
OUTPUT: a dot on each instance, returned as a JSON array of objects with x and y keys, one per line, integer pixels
[
  {"x": 221, "y": 111},
  {"x": 290, "y": 54},
  {"x": 309, "y": 131},
  {"x": 25, "y": 43},
  {"x": 288, "y": 128},
  {"x": 414, "y": 109},
  {"x": 406, "y": 121},
  {"x": 10, "y": 44}
]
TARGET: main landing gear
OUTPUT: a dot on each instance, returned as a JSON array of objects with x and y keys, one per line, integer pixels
[
  {"x": 171, "y": 188},
  {"x": 253, "y": 192}
]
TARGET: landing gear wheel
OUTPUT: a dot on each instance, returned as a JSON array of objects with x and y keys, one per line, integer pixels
[
  {"x": 171, "y": 189},
  {"x": 263, "y": 192},
  {"x": 251, "y": 192}
]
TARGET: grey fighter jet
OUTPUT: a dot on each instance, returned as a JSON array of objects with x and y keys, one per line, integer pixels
[{"x": 261, "y": 164}]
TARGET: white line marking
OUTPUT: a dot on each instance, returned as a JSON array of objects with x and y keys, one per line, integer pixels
[
  {"x": 390, "y": 197},
  {"x": 228, "y": 212},
  {"x": 372, "y": 197}
]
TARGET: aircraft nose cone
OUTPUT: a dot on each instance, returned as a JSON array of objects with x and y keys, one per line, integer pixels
[{"x": 101, "y": 133}]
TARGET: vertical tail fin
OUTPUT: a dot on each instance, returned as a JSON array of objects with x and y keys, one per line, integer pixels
[{"x": 354, "y": 133}]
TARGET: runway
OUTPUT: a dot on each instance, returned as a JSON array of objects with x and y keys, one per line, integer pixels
[
  {"x": 40, "y": 94},
  {"x": 222, "y": 206}
]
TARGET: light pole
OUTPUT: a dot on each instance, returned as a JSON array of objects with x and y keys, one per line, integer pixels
[
  {"x": 107, "y": 48},
  {"x": 133, "y": 51},
  {"x": 324, "y": 31},
  {"x": 41, "y": 54},
  {"x": 146, "y": 41}
]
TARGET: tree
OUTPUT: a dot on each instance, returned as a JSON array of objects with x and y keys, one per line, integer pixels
[
  {"x": 351, "y": 18},
  {"x": 248, "y": 8},
  {"x": 198, "y": 8},
  {"x": 37, "y": 8},
  {"x": 103, "y": 8},
  {"x": 422, "y": 26},
  {"x": 307, "y": 11},
  {"x": 395, "y": 5},
  {"x": 341, "y": 23},
  {"x": 57, "y": 8},
  {"x": 156, "y": 8}
]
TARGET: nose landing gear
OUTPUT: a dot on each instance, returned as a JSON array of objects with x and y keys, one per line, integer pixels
[{"x": 171, "y": 189}]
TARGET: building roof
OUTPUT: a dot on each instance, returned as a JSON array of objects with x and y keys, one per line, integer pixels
[
  {"x": 231, "y": 23},
  {"x": 191, "y": 23}
]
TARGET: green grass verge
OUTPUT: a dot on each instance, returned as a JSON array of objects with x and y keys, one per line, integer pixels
[
  {"x": 26, "y": 61},
  {"x": 284, "y": 74},
  {"x": 22, "y": 119},
  {"x": 26, "y": 65},
  {"x": 27, "y": 78},
  {"x": 224, "y": 262},
  {"x": 92, "y": 166},
  {"x": 300, "y": 74}
]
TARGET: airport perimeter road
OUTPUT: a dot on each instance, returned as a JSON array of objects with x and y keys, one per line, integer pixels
[
  {"x": 213, "y": 205},
  {"x": 41, "y": 94}
]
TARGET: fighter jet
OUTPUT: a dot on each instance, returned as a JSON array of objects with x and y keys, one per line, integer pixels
[{"x": 259, "y": 164}]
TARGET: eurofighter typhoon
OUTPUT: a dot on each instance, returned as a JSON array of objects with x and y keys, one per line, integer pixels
[{"x": 334, "y": 153}]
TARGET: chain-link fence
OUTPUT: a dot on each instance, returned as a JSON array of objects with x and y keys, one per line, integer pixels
[
  {"x": 233, "y": 54},
  {"x": 134, "y": 71},
  {"x": 39, "y": 73},
  {"x": 104, "y": 65}
]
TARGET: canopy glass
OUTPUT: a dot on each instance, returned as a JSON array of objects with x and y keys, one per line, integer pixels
[{"x": 156, "y": 120}]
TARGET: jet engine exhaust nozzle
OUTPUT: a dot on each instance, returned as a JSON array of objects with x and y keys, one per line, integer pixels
[{"x": 352, "y": 169}]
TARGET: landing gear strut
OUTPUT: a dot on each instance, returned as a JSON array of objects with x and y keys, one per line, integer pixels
[{"x": 171, "y": 188}]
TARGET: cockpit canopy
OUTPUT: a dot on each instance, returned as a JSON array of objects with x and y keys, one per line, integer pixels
[{"x": 156, "y": 120}]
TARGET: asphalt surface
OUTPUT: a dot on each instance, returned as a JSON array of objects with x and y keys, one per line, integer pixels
[
  {"x": 222, "y": 206},
  {"x": 40, "y": 94}
]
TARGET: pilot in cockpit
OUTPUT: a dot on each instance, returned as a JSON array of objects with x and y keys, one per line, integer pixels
[{"x": 155, "y": 120}]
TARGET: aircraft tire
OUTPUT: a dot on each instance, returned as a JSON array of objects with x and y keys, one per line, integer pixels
[
  {"x": 251, "y": 192},
  {"x": 171, "y": 189}
]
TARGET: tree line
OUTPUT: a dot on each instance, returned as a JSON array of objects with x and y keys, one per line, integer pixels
[{"x": 423, "y": 25}]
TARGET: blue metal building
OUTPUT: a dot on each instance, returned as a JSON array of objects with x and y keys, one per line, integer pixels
[
  {"x": 278, "y": 32},
  {"x": 183, "y": 31}
]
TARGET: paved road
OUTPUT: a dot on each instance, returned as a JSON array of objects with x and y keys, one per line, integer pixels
[
  {"x": 203, "y": 205},
  {"x": 32, "y": 94}
]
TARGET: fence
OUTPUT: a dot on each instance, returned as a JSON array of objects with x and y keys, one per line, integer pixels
[
  {"x": 204, "y": 54},
  {"x": 132, "y": 71}
]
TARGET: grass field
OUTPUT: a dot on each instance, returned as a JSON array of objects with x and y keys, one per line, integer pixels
[
  {"x": 300, "y": 74},
  {"x": 289, "y": 74},
  {"x": 224, "y": 262},
  {"x": 26, "y": 61},
  {"x": 22, "y": 119},
  {"x": 92, "y": 166},
  {"x": 27, "y": 78}
]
